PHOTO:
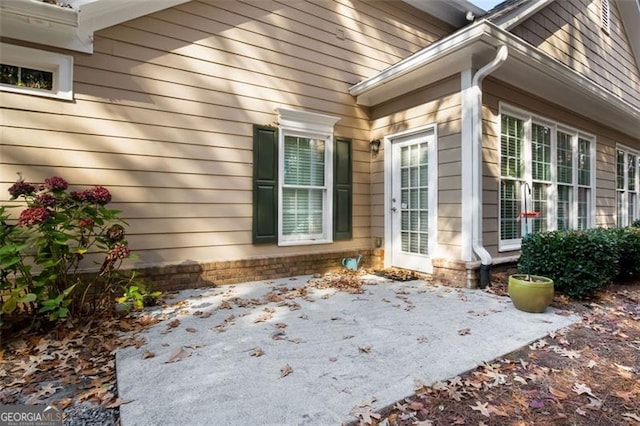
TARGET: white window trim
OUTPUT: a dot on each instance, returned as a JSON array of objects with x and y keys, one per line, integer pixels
[
  {"x": 552, "y": 196},
  {"x": 312, "y": 125},
  {"x": 60, "y": 65},
  {"x": 625, "y": 191}
]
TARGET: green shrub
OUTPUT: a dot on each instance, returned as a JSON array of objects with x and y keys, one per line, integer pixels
[
  {"x": 636, "y": 224},
  {"x": 579, "y": 262},
  {"x": 41, "y": 252},
  {"x": 628, "y": 241}
]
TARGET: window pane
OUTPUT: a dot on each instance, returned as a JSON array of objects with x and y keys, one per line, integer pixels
[
  {"x": 509, "y": 210},
  {"x": 631, "y": 170},
  {"x": 26, "y": 77},
  {"x": 633, "y": 207},
  {"x": 303, "y": 161},
  {"x": 584, "y": 162},
  {"x": 564, "y": 206},
  {"x": 302, "y": 211},
  {"x": 565, "y": 158},
  {"x": 620, "y": 209},
  {"x": 620, "y": 170},
  {"x": 583, "y": 207},
  {"x": 539, "y": 199},
  {"x": 511, "y": 143},
  {"x": 541, "y": 152}
]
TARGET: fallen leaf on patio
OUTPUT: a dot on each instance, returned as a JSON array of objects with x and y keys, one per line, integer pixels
[
  {"x": 632, "y": 416},
  {"x": 286, "y": 370},
  {"x": 256, "y": 352},
  {"x": 177, "y": 355},
  {"x": 148, "y": 354},
  {"x": 194, "y": 346},
  {"x": 464, "y": 331},
  {"x": 190, "y": 329},
  {"x": 280, "y": 325},
  {"x": 483, "y": 408},
  {"x": 557, "y": 393},
  {"x": 422, "y": 339},
  {"x": 174, "y": 323},
  {"x": 365, "y": 349},
  {"x": 365, "y": 414},
  {"x": 118, "y": 402},
  {"x": 333, "y": 359}
]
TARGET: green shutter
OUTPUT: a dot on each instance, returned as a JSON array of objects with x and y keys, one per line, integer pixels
[
  {"x": 342, "y": 190},
  {"x": 265, "y": 184}
]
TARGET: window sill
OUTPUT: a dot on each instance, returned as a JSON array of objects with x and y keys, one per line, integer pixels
[
  {"x": 512, "y": 246},
  {"x": 303, "y": 242}
]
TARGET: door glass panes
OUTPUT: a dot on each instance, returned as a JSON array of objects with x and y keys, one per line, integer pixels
[
  {"x": 511, "y": 141},
  {"x": 414, "y": 198},
  {"x": 26, "y": 77},
  {"x": 631, "y": 172},
  {"x": 509, "y": 210}
]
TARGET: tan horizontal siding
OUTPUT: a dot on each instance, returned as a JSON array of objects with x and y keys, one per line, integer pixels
[
  {"x": 163, "y": 114},
  {"x": 437, "y": 104},
  {"x": 570, "y": 31}
]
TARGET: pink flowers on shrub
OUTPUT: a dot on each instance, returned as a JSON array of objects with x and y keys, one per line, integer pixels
[
  {"x": 119, "y": 251},
  {"x": 21, "y": 188},
  {"x": 86, "y": 222},
  {"x": 96, "y": 195},
  {"x": 55, "y": 184},
  {"x": 33, "y": 216}
]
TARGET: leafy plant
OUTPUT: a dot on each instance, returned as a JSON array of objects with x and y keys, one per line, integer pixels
[
  {"x": 46, "y": 252},
  {"x": 628, "y": 241},
  {"x": 138, "y": 296},
  {"x": 579, "y": 262}
]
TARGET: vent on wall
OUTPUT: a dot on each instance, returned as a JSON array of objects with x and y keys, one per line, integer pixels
[{"x": 606, "y": 16}]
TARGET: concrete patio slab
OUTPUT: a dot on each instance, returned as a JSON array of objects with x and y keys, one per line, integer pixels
[{"x": 342, "y": 349}]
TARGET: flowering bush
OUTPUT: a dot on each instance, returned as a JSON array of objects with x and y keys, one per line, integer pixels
[{"x": 41, "y": 252}]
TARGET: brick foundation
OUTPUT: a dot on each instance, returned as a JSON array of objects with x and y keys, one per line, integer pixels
[{"x": 196, "y": 275}]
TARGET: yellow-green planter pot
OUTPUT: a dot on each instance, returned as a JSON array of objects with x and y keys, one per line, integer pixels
[{"x": 530, "y": 293}]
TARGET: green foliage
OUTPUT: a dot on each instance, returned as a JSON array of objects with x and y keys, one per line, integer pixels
[
  {"x": 579, "y": 262},
  {"x": 628, "y": 241},
  {"x": 42, "y": 253},
  {"x": 636, "y": 224},
  {"x": 138, "y": 296}
]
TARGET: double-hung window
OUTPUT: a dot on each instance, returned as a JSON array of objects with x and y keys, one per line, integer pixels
[
  {"x": 546, "y": 177},
  {"x": 302, "y": 181},
  {"x": 627, "y": 186}
]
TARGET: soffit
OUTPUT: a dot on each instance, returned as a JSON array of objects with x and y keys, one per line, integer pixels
[{"x": 70, "y": 28}]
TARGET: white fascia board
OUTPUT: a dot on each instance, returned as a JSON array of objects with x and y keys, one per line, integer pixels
[
  {"x": 527, "y": 68},
  {"x": 424, "y": 57},
  {"x": 453, "y": 12},
  {"x": 100, "y": 14},
  {"x": 511, "y": 20},
  {"x": 42, "y": 13}
]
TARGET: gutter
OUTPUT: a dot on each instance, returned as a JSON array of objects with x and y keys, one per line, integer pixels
[{"x": 476, "y": 158}]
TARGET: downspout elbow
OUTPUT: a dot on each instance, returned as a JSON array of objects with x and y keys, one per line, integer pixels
[{"x": 477, "y": 245}]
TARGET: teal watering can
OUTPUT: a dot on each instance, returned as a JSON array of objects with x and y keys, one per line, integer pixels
[{"x": 351, "y": 264}]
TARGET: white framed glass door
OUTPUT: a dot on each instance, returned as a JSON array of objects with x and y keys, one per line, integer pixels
[{"x": 412, "y": 201}]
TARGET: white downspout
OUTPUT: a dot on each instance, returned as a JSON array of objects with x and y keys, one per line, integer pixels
[{"x": 476, "y": 158}]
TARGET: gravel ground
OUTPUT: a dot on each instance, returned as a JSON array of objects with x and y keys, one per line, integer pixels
[{"x": 87, "y": 415}]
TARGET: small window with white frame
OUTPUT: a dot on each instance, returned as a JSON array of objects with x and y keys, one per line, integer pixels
[
  {"x": 305, "y": 177},
  {"x": 627, "y": 186},
  {"x": 546, "y": 177},
  {"x": 35, "y": 72}
]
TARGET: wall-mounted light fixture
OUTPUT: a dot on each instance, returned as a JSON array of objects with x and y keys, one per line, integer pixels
[{"x": 374, "y": 146}]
